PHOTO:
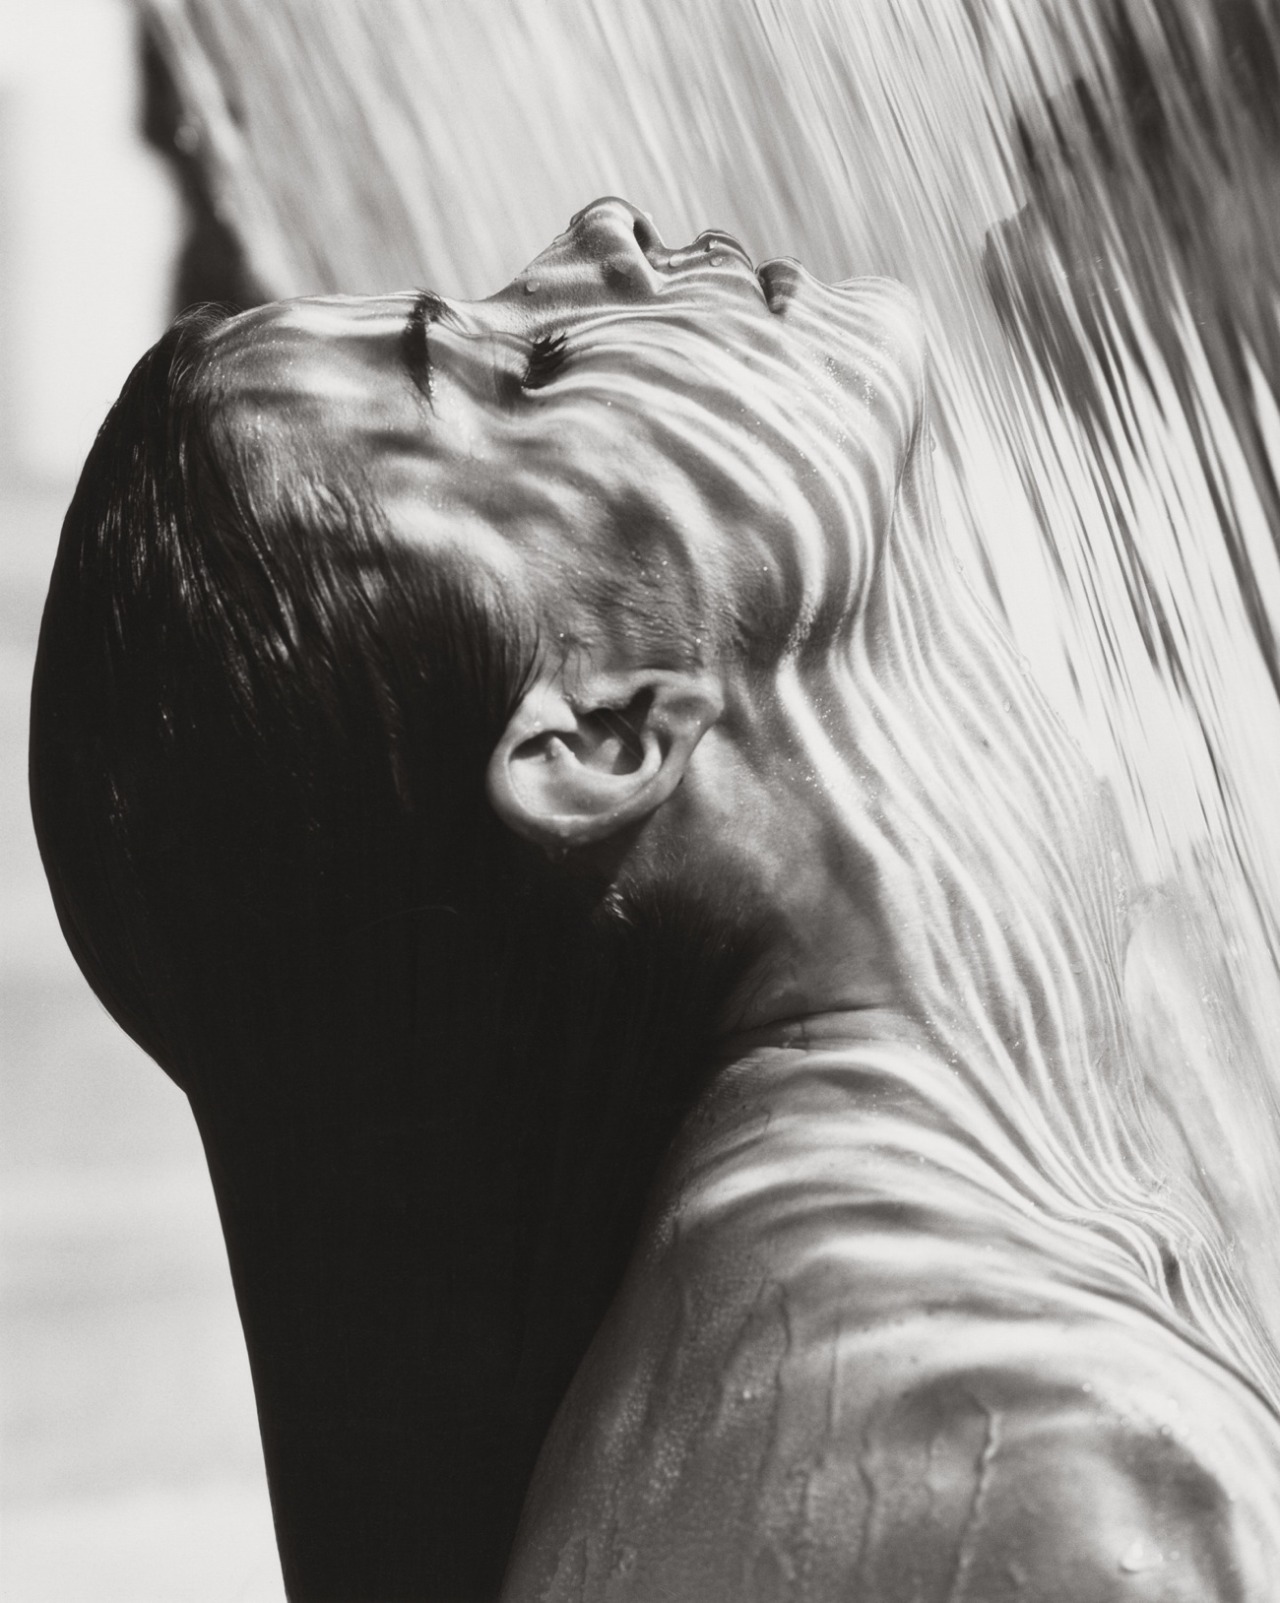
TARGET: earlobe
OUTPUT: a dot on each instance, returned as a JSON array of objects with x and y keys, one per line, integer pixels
[{"x": 572, "y": 773}]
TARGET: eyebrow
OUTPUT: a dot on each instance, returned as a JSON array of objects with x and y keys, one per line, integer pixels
[{"x": 415, "y": 351}]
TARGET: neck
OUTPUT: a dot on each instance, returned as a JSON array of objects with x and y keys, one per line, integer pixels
[
  {"x": 855, "y": 1113},
  {"x": 970, "y": 890},
  {"x": 854, "y": 1136},
  {"x": 934, "y": 845}
]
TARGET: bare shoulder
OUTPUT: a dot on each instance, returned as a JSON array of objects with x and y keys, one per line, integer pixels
[
  {"x": 1149, "y": 1483},
  {"x": 942, "y": 1460}
]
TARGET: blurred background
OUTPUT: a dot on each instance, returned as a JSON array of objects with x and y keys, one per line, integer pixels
[{"x": 131, "y": 1464}]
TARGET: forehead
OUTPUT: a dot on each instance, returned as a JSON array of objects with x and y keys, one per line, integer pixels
[
  {"x": 324, "y": 357},
  {"x": 317, "y": 390}
]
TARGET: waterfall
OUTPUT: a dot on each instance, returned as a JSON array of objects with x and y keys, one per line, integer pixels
[{"x": 1084, "y": 194}]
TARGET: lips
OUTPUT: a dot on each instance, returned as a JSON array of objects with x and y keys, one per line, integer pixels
[
  {"x": 776, "y": 279},
  {"x": 712, "y": 240}
]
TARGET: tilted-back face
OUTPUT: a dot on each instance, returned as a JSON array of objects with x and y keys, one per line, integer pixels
[
  {"x": 435, "y": 1075},
  {"x": 675, "y": 457}
]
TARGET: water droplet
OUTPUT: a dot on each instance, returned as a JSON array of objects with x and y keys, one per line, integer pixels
[
  {"x": 530, "y": 285},
  {"x": 1141, "y": 1555}
]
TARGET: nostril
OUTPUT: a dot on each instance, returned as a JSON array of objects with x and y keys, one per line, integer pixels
[
  {"x": 620, "y": 241},
  {"x": 646, "y": 234}
]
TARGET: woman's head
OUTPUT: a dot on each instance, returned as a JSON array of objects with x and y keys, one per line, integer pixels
[
  {"x": 381, "y": 643},
  {"x": 305, "y": 595},
  {"x": 330, "y": 558},
  {"x": 261, "y": 721}
]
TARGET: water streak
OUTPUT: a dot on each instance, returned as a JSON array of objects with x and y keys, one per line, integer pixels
[{"x": 1084, "y": 195}]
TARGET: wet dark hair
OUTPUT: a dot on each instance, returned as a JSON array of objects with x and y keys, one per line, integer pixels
[
  {"x": 433, "y": 1075},
  {"x": 249, "y": 713}
]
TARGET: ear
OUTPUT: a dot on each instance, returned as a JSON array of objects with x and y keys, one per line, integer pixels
[{"x": 568, "y": 773}]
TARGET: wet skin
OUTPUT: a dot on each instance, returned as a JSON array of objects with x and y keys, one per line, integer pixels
[
  {"x": 627, "y": 467},
  {"x": 701, "y": 484},
  {"x": 878, "y": 1341}
]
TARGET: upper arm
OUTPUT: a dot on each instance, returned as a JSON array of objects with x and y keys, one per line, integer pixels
[
  {"x": 979, "y": 1497},
  {"x": 1055, "y": 1466}
]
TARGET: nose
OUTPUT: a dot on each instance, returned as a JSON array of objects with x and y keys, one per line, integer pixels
[
  {"x": 612, "y": 210},
  {"x": 620, "y": 240}
]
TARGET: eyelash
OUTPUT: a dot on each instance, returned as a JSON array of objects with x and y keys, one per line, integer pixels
[
  {"x": 546, "y": 359},
  {"x": 416, "y": 350}
]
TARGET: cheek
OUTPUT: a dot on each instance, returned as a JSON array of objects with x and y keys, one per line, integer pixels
[
  {"x": 694, "y": 522},
  {"x": 696, "y": 567},
  {"x": 764, "y": 528}
]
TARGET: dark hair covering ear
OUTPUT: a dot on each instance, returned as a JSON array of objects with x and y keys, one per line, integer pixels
[{"x": 432, "y": 1073}]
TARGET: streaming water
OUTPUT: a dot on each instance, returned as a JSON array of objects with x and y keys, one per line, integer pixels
[{"x": 1085, "y": 194}]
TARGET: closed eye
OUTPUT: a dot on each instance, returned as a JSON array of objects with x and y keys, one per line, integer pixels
[
  {"x": 546, "y": 359},
  {"x": 415, "y": 349}
]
